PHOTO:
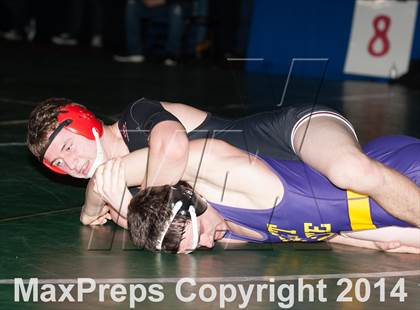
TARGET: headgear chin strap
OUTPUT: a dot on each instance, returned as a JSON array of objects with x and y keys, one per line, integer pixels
[
  {"x": 80, "y": 121},
  {"x": 99, "y": 160},
  {"x": 194, "y": 223}
]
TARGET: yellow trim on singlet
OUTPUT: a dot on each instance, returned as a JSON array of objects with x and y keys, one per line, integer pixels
[{"x": 359, "y": 211}]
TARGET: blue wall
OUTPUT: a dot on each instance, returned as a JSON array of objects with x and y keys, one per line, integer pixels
[{"x": 285, "y": 29}]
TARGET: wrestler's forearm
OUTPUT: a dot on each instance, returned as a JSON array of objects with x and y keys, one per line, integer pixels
[
  {"x": 135, "y": 164},
  {"x": 164, "y": 168},
  {"x": 398, "y": 195},
  {"x": 367, "y": 244},
  {"x": 93, "y": 205},
  {"x": 122, "y": 207},
  {"x": 407, "y": 236}
]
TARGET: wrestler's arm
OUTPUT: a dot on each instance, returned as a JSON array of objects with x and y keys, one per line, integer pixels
[
  {"x": 168, "y": 154},
  {"x": 223, "y": 173},
  {"x": 391, "y": 246},
  {"x": 103, "y": 188},
  {"x": 93, "y": 205},
  {"x": 406, "y": 236},
  {"x": 169, "y": 143},
  {"x": 135, "y": 167},
  {"x": 133, "y": 171}
]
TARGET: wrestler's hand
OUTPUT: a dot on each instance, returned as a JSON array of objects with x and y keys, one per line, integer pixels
[
  {"x": 396, "y": 247},
  {"x": 109, "y": 182},
  {"x": 405, "y": 249},
  {"x": 387, "y": 245},
  {"x": 99, "y": 219}
]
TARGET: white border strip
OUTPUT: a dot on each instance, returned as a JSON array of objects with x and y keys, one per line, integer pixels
[
  {"x": 244, "y": 59},
  {"x": 16, "y": 101},
  {"x": 406, "y": 273},
  {"x": 3, "y": 144},
  {"x": 21, "y": 217},
  {"x": 13, "y": 122}
]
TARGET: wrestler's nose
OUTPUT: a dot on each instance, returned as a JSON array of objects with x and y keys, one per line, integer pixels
[
  {"x": 71, "y": 161},
  {"x": 206, "y": 240}
]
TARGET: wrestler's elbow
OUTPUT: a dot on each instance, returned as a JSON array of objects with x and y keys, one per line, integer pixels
[
  {"x": 169, "y": 139},
  {"x": 84, "y": 219},
  {"x": 172, "y": 149},
  {"x": 178, "y": 148}
]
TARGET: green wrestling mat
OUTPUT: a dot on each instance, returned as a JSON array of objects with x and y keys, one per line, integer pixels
[{"x": 47, "y": 257}]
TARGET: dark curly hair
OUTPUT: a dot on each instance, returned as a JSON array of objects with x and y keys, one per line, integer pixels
[
  {"x": 42, "y": 121},
  {"x": 148, "y": 214}
]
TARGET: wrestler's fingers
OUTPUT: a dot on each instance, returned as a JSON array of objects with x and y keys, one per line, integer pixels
[
  {"x": 101, "y": 220},
  {"x": 95, "y": 185},
  {"x": 95, "y": 222},
  {"x": 387, "y": 245},
  {"x": 121, "y": 175},
  {"x": 405, "y": 249},
  {"x": 105, "y": 209},
  {"x": 108, "y": 177},
  {"x": 99, "y": 181},
  {"x": 393, "y": 245},
  {"x": 99, "y": 170},
  {"x": 115, "y": 173},
  {"x": 121, "y": 184},
  {"x": 123, "y": 167},
  {"x": 107, "y": 174}
]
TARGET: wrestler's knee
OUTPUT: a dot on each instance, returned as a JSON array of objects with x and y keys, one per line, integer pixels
[{"x": 357, "y": 172}]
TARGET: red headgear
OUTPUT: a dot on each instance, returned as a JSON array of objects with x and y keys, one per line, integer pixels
[{"x": 78, "y": 120}]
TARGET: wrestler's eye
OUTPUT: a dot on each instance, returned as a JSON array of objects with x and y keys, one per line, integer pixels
[
  {"x": 68, "y": 147},
  {"x": 57, "y": 163}
]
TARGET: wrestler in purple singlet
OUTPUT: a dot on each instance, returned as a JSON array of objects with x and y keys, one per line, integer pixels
[{"x": 313, "y": 209}]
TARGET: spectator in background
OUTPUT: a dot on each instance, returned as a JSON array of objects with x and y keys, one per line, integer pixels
[
  {"x": 79, "y": 11},
  {"x": 19, "y": 25},
  {"x": 231, "y": 20},
  {"x": 172, "y": 12}
]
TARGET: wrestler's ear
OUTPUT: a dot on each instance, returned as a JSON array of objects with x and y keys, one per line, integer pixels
[{"x": 186, "y": 238}]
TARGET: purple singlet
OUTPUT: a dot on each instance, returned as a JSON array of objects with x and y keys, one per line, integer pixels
[{"x": 313, "y": 209}]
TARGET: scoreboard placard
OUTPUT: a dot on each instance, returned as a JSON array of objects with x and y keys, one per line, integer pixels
[{"x": 381, "y": 38}]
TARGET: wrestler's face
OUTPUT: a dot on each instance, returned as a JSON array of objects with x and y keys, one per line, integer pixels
[
  {"x": 211, "y": 227},
  {"x": 73, "y": 153}
]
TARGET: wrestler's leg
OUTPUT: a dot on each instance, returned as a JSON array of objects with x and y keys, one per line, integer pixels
[{"x": 329, "y": 145}]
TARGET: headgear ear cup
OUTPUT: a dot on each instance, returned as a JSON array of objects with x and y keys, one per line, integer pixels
[
  {"x": 187, "y": 205},
  {"x": 78, "y": 120},
  {"x": 83, "y": 121}
]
